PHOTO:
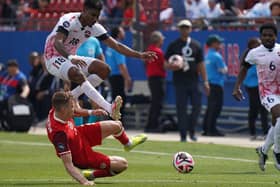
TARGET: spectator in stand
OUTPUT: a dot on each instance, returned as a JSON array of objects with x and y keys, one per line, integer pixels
[
  {"x": 229, "y": 8},
  {"x": 214, "y": 9},
  {"x": 275, "y": 12},
  {"x": 275, "y": 9},
  {"x": 156, "y": 79},
  {"x": 12, "y": 82},
  {"x": 196, "y": 9},
  {"x": 251, "y": 85},
  {"x": 129, "y": 14},
  {"x": 39, "y": 6},
  {"x": 186, "y": 79},
  {"x": 117, "y": 13},
  {"x": 261, "y": 9},
  {"x": 216, "y": 70},
  {"x": 8, "y": 12},
  {"x": 119, "y": 78}
]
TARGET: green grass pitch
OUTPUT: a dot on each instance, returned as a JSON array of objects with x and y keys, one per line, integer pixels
[{"x": 28, "y": 160}]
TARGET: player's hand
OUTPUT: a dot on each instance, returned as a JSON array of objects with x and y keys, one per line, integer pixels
[
  {"x": 79, "y": 62},
  {"x": 88, "y": 183},
  {"x": 99, "y": 112},
  {"x": 128, "y": 84},
  {"x": 207, "y": 88},
  {"x": 238, "y": 95},
  {"x": 148, "y": 56}
]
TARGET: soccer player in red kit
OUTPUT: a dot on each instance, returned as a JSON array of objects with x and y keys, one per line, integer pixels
[{"x": 73, "y": 144}]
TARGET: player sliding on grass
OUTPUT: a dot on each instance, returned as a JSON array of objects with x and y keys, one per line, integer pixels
[
  {"x": 73, "y": 144},
  {"x": 69, "y": 33},
  {"x": 267, "y": 59}
]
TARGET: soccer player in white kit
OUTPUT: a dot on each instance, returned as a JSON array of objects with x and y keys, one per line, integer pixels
[
  {"x": 267, "y": 60},
  {"x": 69, "y": 33}
]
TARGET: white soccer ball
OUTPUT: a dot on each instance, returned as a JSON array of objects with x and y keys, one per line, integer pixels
[
  {"x": 183, "y": 162},
  {"x": 176, "y": 62}
]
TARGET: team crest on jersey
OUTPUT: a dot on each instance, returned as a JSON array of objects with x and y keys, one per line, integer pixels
[
  {"x": 87, "y": 34},
  {"x": 66, "y": 24},
  {"x": 278, "y": 53}
]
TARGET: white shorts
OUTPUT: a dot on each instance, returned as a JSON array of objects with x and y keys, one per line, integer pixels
[
  {"x": 59, "y": 66},
  {"x": 269, "y": 101}
]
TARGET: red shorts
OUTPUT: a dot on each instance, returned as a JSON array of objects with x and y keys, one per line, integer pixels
[{"x": 91, "y": 159}]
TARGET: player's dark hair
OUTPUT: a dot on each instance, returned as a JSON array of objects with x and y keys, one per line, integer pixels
[
  {"x": 94, "y": 4},
  {"x": 115, "y": 32},
  {"x": 60, "y": 99},
  {"x": 271, "y": 26}
]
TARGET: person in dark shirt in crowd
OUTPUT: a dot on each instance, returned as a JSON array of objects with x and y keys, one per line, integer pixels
[
  {"x": 251, "y": 86},
  {"x": 216, "y": 70},
  {"x": 12, "y": 82},
  {"x": 119, "y": 79},
  {"x": 186, "y": 79},
  {"x": 41, "y": 90},
  {"x": 156, "y": 79}
]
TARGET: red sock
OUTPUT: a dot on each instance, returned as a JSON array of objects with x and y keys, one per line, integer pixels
[
  {"x": 122, "y": 137},
  {"x": 101, "y": 173}
]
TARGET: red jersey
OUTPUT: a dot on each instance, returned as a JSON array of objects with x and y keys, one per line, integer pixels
[
  {"x": 156, "y": 67},
  {"x": 66, "y": 138}
]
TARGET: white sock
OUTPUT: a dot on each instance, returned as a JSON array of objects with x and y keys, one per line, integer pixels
[
  {"x": 277, "y": 136},
  {"x": 95, "y": 80},
  {"x": 77, "y": 92},
  {"x": 269, "y": 140},
  {"x": 94, "y": 95}
]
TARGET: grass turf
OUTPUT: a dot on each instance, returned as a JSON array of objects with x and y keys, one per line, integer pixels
[{"x": 28, "y": 160}]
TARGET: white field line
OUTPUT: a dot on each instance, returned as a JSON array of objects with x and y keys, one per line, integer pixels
[
  {"x": 136, "y": 151},
  {"x": 100, "y": 181}
]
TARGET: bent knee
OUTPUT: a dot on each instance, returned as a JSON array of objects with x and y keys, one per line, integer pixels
[
  {"x": 117, "y": 126},
  {"x": 76, "y": 75}
]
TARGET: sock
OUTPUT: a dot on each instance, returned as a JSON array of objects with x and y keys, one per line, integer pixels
[
  {"x": 94, "y": 95},
  {"x": 277, "y": 136},
  {"x": 101, "y": 173},
  {"x": 95, "y": 80},
  {"x": 123, "y": 138},
  {"x": 77, "y": 92},
  {"x": 269, "y": 140}
]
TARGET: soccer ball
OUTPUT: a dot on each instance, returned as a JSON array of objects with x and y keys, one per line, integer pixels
[
  {"x": 176, "y": 62},
  {"x": 183, "y": 162}
]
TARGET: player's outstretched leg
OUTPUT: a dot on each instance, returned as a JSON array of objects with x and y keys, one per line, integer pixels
[
  {"x": 136, "y": 140},
  {"x": 116, "y": 106},
  {"x": 262, "y": 158}
]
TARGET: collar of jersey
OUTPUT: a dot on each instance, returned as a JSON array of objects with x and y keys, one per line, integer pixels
[{"x": 59, "y": 120}]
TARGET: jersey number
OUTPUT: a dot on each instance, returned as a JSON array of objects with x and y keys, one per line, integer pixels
[
  {"x": 272, "y": 66},
  {"x": 57, "y": 63},
  {"x": 74, "y": 41}
]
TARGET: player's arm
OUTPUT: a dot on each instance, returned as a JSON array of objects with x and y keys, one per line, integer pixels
[
  {"x": 237, "y": 93},
  {"x": 73, "y": 171},
  {"x": 60, "y": 37},
  {"x": 202, "y": 71},
  {"x": 125, "y": 50},
  {"x": 81, "y": 112}
]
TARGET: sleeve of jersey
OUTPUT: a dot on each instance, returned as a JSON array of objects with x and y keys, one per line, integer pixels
[
  {"x": 100, "y": 32},
  {"x": 60, "y": 143},
  {"x": 250, "y": 58},
  {"x": 64, "y": 25}
]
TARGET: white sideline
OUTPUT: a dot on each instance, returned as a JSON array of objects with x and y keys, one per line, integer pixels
[{"x": 135, "y": 151}]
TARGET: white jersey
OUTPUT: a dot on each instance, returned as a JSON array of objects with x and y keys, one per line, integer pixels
[
  {"x": 76, "y": 34},
  {"x": 268, "y": 69}
]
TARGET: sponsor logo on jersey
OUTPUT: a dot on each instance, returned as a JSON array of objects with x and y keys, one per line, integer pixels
[{"x": 66, "y": 24}]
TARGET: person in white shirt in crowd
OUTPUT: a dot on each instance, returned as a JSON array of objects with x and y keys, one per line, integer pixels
[{"x": 260, "y": 9}]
